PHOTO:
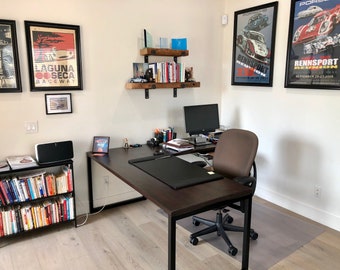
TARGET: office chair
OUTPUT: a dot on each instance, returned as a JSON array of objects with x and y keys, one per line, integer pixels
[{"x": 234, "y": 158}]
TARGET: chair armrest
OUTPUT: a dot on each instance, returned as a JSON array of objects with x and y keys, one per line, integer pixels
[{"x": 247, "y": 181}]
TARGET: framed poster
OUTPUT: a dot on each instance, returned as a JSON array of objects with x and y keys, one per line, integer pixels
[
  {"x": 10, "y": 80},
  {"x": 58, "y": 103},
  {"x": 313, "y": 45},
  {"x": 54, "y": 56},
  {"x": 253, "y": 45}
]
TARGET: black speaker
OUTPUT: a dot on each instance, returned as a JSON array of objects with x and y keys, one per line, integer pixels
[{"x": 53, "y": 152}]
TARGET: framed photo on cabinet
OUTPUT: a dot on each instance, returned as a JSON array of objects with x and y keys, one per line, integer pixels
[
  {"x": 54, "y": 56},
  {"x": 313, "y": 45},
  {"x": 10, "y": 80},
  {"x": 58, "y": 103},
  {"x": 253, "y": 45},
  {"x": 100, "y": 145}
]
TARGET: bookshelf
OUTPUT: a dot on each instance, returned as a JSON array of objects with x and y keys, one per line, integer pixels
[
  {"x": 146, "y": 52},
  {"x": 36, "y": 198}
]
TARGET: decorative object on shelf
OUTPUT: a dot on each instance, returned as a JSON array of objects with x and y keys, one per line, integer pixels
[
  {"x": 313, "y": 45},
  {"x": 254, "y": 44},
  {"x": 179, "y": 43},
  {"x": 147, "y": 39},
  {"x": 100, "y": 145},
  {"x": 54, "y": 56},
  {"x": 58, "y": 103},
  {"x": 163, "y": 43},
  {"x": 10, "y": 80}
]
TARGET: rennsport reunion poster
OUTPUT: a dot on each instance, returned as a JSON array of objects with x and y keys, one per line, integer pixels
[{"x": 314, "y": 45}]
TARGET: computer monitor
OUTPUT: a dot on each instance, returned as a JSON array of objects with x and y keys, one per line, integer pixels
[{"x": 201, "y": 119}]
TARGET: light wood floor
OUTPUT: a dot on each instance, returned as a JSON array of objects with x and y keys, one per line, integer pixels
[{"x": 135, "y": 237}]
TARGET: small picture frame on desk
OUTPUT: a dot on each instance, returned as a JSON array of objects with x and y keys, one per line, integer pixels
[{"x": 100, "y": 145}]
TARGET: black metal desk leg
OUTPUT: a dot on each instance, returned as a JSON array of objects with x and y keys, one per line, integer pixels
[
  {"x": 171, "y": 243},
  {"x": 246, "y": 234}
]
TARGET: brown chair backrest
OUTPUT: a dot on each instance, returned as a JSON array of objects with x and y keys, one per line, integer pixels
[{"x": 235, "y": 153}]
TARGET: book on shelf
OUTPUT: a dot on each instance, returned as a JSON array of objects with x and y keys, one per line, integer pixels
[
  {"x": 168, "y": 72},
  {"x": 21, "y": 162}
]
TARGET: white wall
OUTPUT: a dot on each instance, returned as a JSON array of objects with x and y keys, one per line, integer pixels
[
  {"x": 298, "y": 131},
  {"x": 297, "y": 128},
  {"x": 110, "y": 38}
]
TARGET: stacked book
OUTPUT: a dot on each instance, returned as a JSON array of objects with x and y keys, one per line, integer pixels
[
  {"x": 21, "y": 162},
  {"x": 179, "y": 145}
]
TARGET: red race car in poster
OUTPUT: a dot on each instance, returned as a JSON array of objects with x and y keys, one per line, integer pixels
[{"x": 322, "y": 23}]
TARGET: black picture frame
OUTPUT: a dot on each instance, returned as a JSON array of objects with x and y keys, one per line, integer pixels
[
  {"x": 58, "y": 103},
  {"x": 54, "y": 56},
  {"x": 313, "y": 45},
  {"x": 10, "y": 80},
  {"x": 254, "y": 45},
  {"x": 101, "y": 145}
]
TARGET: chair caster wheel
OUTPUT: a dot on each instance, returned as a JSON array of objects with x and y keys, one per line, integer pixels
[
  {"x": 254, "y": 235},
  {"x": 195, "y": 222},
  {"x": 233, "y": 251},
  {"x": 230, "y": 219},
  {"x": 194, "y": 241}
]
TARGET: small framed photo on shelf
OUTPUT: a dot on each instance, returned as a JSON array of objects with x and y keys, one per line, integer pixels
[
  {"x": 10, "y": 80},
  {"x": 54, "y": 56},
  {"x": 100, "y": 145},
  {"x": 58, "y": 103}
]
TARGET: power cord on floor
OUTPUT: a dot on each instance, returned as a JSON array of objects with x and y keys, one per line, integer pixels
[{"x": 96, "y": 213}]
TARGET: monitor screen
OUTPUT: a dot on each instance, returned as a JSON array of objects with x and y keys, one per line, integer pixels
[{"x": 201, "y": 119}]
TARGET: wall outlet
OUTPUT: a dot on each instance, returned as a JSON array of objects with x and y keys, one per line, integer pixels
[
  {"x": 317, "y": 191},
  {"x": 106, "y": 179}
]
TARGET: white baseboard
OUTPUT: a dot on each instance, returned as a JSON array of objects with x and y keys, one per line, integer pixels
[{"x": 328, "y": 219}]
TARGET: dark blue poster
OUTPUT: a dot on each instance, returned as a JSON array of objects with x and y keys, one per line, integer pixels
[
  {"x": 254, "y": 42},
  {"x": 314, "y": 45}
]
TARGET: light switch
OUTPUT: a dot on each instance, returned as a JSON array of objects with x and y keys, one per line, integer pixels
[{"x": 31, "y": 127}]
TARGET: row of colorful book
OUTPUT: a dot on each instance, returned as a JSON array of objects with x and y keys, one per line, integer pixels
[
  {"x": 162, "y": 72},
  {"x": 26, "y": 188},
  {"x": 16, "y": 219}
]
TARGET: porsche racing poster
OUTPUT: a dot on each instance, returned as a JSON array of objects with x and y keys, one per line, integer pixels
[
  {"x": 314, "y": 45},
  {"x": 254, "y": 42}
]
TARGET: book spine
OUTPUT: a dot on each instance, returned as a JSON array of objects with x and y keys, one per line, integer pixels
[{"x": 8, "y": 191}]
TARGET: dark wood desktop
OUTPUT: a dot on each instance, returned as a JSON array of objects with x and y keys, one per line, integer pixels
[{"x": 189, "y": 201}]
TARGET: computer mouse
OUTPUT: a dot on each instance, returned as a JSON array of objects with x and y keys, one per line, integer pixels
[{"x": 199, "y": 163}]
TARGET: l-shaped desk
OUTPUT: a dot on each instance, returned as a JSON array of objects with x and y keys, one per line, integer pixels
[{"x": 189, "y": 201}]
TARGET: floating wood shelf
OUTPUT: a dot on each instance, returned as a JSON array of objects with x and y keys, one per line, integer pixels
[
  {"x": 163, "y": 52},
  {"x": 147, "y": 86}
]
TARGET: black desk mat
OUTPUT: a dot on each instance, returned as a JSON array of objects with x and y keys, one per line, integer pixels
[{"x": 175, "y": 172}]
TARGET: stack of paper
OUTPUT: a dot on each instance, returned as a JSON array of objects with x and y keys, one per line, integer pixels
[
  {"x": 4, "y": 166},
  {"x": 21, "y": 162},
  {"x": 179, "y": 145}
]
